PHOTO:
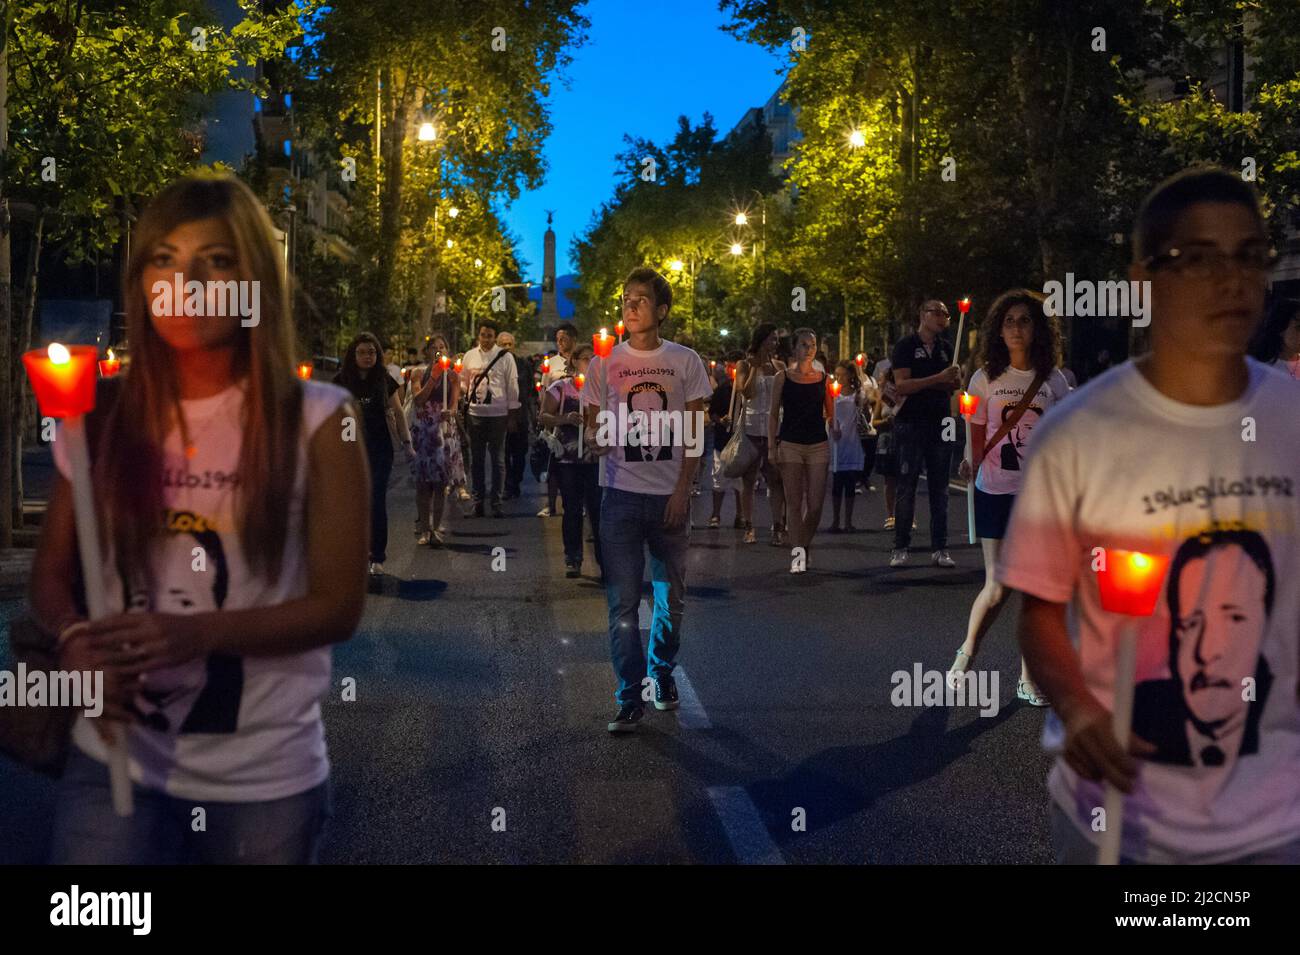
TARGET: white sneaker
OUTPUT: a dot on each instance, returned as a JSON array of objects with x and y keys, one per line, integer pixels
[
  {"x": 898, "y": 558},
  {"x": 376, "y": 570},
  {"x": 544, "y": 512},
  {"x": 889, "y": 523},
  {"x": 941, "y": 558}
]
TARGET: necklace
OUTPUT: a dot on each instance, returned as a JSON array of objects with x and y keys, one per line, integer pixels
[{"x": 190, "y": 441}]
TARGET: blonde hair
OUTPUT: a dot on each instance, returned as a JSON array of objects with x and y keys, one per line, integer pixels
[{"x": 129, "y": 465}]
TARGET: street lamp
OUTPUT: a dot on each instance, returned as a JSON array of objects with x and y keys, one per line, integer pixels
[
  {"x": 453, "y": 212},
  {"x": 427, "y": 133},
  {"x": 856, "y": 139},
  {"x": 676, "y": 265},
  {"x": 742, "y": 219},
  {"x": 478, "y": 263},
  {"x": 737, "y": 249}
]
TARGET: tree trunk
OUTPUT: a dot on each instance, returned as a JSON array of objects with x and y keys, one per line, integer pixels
[
  {"x": 25, "y": 342},
  {"x": 6, "y": 302}
]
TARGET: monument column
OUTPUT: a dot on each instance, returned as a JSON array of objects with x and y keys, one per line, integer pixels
[{"x": 550, "y": 316}]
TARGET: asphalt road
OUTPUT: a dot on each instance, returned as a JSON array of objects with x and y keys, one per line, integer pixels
[{"x": 478, "y": 729}]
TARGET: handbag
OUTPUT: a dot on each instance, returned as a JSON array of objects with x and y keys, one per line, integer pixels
[{"x": 740, "y": 454}]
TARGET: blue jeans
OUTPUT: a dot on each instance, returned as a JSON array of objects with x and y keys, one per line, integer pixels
[
  {"x": 161, "y": 831},
  {"x": 629, "y": 524}
]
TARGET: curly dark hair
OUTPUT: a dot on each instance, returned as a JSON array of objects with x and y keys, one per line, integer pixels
[{"x": 1044, "y": 350}]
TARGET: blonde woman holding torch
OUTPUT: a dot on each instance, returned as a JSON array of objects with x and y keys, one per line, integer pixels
[{"x": 233, "y": 503}]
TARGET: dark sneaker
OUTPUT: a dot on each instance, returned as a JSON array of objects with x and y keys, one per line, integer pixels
[
  {"x": 478, "y": 511},
  {"x": 497, "y": 512},
  {"x": 572, "y": 570},
  {"x": 628, "y": 718},
  {"x": 666, "y": 693}
]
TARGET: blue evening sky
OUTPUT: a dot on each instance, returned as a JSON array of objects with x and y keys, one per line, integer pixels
[{"x": 645, "y": 63}]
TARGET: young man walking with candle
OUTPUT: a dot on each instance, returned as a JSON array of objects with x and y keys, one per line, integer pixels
[
  {"x": 924, "y": 375},
  {"x": 646, "y": 475},
  {"x": 1159, "y": 455}
]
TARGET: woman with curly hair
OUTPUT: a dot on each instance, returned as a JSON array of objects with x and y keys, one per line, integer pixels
[{"x": 1020, "y": 353}]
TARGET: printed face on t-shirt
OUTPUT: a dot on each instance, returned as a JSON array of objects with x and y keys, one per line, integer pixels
[{"x": 1219, "y": 630}]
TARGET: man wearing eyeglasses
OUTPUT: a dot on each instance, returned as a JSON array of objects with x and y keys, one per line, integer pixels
[
  {"x": 1174, "y": 453},
  {"x": 646, "y": 475},
  {"x": 925, "y": 376}
]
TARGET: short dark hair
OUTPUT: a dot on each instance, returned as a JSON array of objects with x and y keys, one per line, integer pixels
[
  {"x": 1164, "y": 205},
  {"x": 487, "y": 323},
  {"x": 565, "y": 327},
  {"x": 663, "y": 292}
]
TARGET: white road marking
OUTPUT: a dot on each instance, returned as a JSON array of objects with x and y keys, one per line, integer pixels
[
  {"x": 690, "y": 714},
  {"x": 749, "y": 838}
]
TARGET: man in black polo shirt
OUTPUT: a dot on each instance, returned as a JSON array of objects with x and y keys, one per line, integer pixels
[{"x": 924, "y": 376}]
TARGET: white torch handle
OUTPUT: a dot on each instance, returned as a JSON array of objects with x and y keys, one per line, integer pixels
[
  {"x": 956, "y": 351},
  {"x": 970, "y": 488},
  {"x": 1121, "y": 725},
  {"x": 83, "y": 502}
]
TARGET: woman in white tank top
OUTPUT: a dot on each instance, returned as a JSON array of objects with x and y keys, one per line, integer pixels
[{"x": 754, "y": 377}]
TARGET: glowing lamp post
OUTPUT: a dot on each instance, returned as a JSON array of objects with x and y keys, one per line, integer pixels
[
  {"x": 968, "y": 403},
  {"x": 110, "y": 366},
  {"x": 602, "y": 343},
  {"x": 1129, "y": 582},
  {"x": 64, "y": 381}
]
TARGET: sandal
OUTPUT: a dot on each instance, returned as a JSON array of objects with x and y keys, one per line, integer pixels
[
  {"x": 1025, "y": 690},
  {"x": 750, "y": 536}
]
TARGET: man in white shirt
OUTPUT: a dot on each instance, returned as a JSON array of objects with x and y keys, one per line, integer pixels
[
  {"x": 658, "y": 389},
  {"x": 1158, "y": 455},
  {"x": 490, "y": 380}
]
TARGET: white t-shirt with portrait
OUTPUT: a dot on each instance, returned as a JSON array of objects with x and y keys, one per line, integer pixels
[
  {"x": 644, "y": 382},
  {"x": 224, "y": 728},
  {"x": 1120, "y": 466},
  {"x": 1002, "y": 467}
]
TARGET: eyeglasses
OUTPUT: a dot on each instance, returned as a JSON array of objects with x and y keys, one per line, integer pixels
[
  {"x": 937, "y": 311},
  {"x": 634, "y": 302},
  {"x": 1207, "y": 261}
]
